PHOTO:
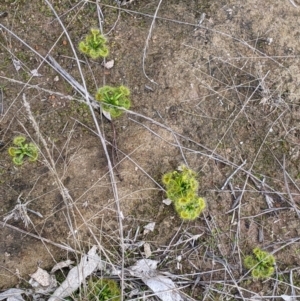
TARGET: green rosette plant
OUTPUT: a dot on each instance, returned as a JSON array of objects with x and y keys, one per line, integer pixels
[
  {"x": 94, "y": 45},
  {"x": 114, "y": 99},
  {"x": 103, "y": 290},
  {"x": 260, "y": 263},
  {"x": 189, "y": 208},
  {"x": 181, "y": 187},
  {"x": 23, "y": 150}
]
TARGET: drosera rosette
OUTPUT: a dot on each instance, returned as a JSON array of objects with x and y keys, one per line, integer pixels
[
  {"x": 22, "y": 150},
  {"x": 114, "y": 99},
  {"x": 181, "y": 188},
  {"x": 189, "y": 208},
  {"x": 94, "y": 45},
  {"x": 261, "y": 264},
  {"x": 103, "y": 290},
  {"x": 180, "y": 183}
]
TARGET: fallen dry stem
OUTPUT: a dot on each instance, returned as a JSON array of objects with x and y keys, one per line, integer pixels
[
  {"x": 44, "y": 240},
  {"x": 101, "y": 137}
]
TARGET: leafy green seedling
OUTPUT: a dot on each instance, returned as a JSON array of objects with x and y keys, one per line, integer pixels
[
  {"x": 94, "y": 45},
  {"x": 182, "y": 189},
  {"x": 21, "y": 150},
  {"x": 261, "y": 264},
  {"x": 103, "y": 290},
  {"x": 114, "y": 99}
]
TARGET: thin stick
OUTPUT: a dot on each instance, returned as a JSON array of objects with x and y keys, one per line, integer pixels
[
  {"x": 293, "y": 3},
  {"x": 1, "y": 104},
  {"x": 230, "y": 177},
  {"x": 39, "y": 238},
  {"x": 29, "y": 86},
  {"x": 72, "y": 81},
  {"x": 100, "y": 135},
  {"x": 288, "y": 189},
  {"x": 114, "y": 151},
  {"x": 147, "y": 42}
]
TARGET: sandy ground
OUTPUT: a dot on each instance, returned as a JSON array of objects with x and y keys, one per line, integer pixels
[{"x": 215, "y": 96}]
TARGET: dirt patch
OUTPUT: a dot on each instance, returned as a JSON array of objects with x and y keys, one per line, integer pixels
[{"x": 221, "y": 97}]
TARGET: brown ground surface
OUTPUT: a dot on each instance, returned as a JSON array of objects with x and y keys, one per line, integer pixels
[{"x": 221, "y": 94}]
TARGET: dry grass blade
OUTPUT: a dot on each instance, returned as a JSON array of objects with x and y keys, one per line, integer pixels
[
  {"x": 293, "y": 3},
  {"x": 295, "y": 207}
]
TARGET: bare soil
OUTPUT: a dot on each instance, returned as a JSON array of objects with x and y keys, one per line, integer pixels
[{"x": 214, "y": 96}]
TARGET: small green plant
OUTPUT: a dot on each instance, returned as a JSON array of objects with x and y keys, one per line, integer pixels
[
  {"x": 21, "y": 150},
  {"x": 103, "y": 290},
  {"x": 94, "y": 45},
  {"x": 261, "y": 264},
  {"x": 182, "y": 189},
  {"x": 114, "y": 99}
]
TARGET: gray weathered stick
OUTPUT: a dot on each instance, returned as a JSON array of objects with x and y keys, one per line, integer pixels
[{"x": 75, "y": 84}]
